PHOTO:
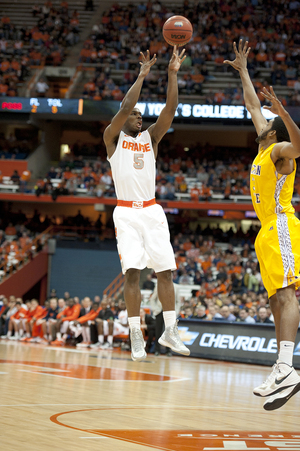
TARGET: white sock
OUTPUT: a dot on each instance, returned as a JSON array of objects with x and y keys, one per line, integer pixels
[
  {"x": 134, "y": 322},
  {"x": 110, "y": 339},
  {"x": 28, "y": 335},
  {"x": 21, "y": 332},
  {"x": 8, "y": 334},
  {"x": 65, "y": 336},
  {"x": 84, "y": 337},
  {"x": 169, "y": 318},
  {"x": 286, "y": 352},
  {"x": 101, "y": 339},
  {"x": 88, "y": 334},
  {"x": 16, "y": 335},
  {"x": 58, "y": 335}
]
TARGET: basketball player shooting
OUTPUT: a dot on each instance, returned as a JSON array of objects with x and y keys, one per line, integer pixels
[
  {"x": 141, "y": 226},
  {"x": 277, "y": 244}
]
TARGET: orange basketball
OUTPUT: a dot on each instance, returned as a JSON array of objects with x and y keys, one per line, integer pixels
[{"x": 177, "y": 30}]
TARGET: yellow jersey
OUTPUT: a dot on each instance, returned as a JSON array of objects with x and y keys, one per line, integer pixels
[{"x": 271, "y": 192}]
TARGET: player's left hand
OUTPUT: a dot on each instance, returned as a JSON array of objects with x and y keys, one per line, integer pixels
[
  {"x": 276, "y": 107},
  {"x": 176, "y": 59}
]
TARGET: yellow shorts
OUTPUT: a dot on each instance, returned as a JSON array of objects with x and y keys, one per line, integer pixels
[{"x": 277, "y": 247}]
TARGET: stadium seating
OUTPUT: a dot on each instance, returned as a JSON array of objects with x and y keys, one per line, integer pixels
[{"x": 204, "y": 49}]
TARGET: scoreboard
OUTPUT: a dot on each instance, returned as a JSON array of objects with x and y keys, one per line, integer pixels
[
  {"x": 86, "y": 109},
  {"x": 41, "y": 105}
]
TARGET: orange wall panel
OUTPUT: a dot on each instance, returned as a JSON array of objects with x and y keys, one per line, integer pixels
[
  {"x": 7, "y": 167},
  {"x": 25, "y": 278}
]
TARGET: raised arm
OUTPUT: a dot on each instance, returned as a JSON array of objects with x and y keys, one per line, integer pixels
[
  {"x": 113, "y": 130},
  {"x": 165, "y": 119},
  {"x": 251, "y": 100},
  {"x": 283, "y": 150}
]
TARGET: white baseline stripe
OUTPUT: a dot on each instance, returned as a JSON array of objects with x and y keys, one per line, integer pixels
[{"x": 102, "y": 436}]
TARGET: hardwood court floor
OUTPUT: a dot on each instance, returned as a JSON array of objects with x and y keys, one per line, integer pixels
[{"x": 67, "y": 399}]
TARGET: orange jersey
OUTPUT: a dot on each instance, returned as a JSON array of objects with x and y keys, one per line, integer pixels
[
  {"x": 70, "y": 313},
  {"x": 38, "y": 312},
  {"x": 89, "y": 316},
  {"x": 19, "y": 314}
]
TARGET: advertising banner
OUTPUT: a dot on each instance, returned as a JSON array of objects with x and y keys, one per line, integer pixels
[{"x": 237, "y": 342}]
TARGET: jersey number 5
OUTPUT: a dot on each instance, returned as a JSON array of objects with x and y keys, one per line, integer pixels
[{"x": 138, "y": 161}]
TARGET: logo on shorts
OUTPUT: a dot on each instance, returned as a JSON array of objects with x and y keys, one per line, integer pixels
[
  {"x": 137, "y": 204},
  {"x": 271, "y": 228}
]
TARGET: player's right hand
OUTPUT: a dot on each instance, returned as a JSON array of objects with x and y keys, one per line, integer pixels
[
  {"x": 146, "y": 63},
  {"x": 241, "y": 56}
]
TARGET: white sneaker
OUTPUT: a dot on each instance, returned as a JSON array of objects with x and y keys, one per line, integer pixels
[
  {"x": 264, "y": 388},
  {"x": 83, "y": 344},
  {"x": 170, "y": 338},
  {"x": 13, "y": 337},
  {"x": 137, "y": 344},
  {"x": 286, "y": 377},
  {"x": 107, "y": 347},
  {"x": 95, "y": 345},
  {"x": 279, "y": 399}
]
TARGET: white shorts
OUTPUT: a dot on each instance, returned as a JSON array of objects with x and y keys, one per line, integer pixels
[
  {"x": 143, "y": 238},
  {"x": 118, "y": 329},
  {"x": 20, "y": 320}
]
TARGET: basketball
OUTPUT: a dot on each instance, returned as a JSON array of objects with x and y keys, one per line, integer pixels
[{"x": 177, "y": 30}]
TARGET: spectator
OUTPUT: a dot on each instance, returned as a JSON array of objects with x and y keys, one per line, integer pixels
[
  {"x": 245, "y": 317},
  {"x": 41, "y": 88},
  {"x": 61, "y": 325},
  {"x": 200, "y": 312},
  {"x": 226, "y": 315},
  {"x": 48, "y": 320},
  {"x": 148, "y": 284},
  {"x": 82, "y": 326},
  {"x": 105, "y": 326},
  {"x": 15, "y": 178},
  {"x": 262, "y": 316}
]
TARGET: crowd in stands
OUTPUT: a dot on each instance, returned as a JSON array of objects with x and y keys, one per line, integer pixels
[
  {"x": 14, "y": 147},
  {"x": 56, "y": 29},
  {"x": 225, "y": 281},
  {"x": 207, "y": 170},
  {"x": 125, "y": 30},
  {"x": 18, "y": 245},
  {"x": 198, "y": 175}
]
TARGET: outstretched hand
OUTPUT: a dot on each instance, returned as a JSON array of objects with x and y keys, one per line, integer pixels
[
  {"x": 146, "y": 63},
  {"x": 176, "y": 59},
  {"x": 276, "y": 107},
  {"x": 241, "y": 56}
]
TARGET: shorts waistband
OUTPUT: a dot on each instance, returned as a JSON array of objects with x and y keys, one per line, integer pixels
[
  {"x": 136, "y": 203},
  {"x": 274, "y": 216}
]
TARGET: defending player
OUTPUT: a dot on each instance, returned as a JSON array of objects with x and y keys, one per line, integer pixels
[
  {"x": 141, "y": 226},
  {"x": 277, "y": 244}
]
